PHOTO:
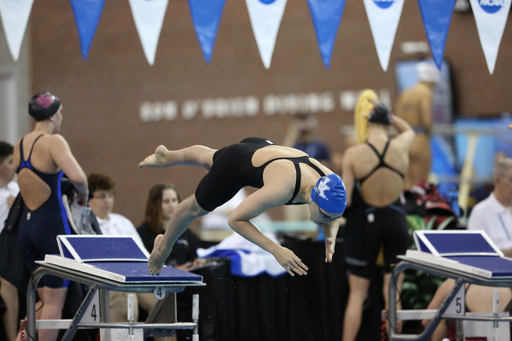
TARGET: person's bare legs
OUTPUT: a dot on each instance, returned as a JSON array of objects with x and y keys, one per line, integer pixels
[
  {"x": 10, "y": 296},
  {"x": 199, "y": 156},
  {"x": 52, "y": 309},
  {"x": 183, "y": 215},
  {"x": 354, "y": 310},
  {"x": 385, "y": 293}
]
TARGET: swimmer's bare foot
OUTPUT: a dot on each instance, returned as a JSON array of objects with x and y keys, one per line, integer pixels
[
  {"x": 157, "y": 258},
  {"x": 157, "y": 159}
]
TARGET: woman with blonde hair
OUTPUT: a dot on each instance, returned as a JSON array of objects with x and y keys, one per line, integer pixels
[{"x": 373, "y": 172}]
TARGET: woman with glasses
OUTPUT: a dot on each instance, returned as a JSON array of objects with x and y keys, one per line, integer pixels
[
  {"x": 283, "y": 176},
  {"x": 374, "y": 177}
]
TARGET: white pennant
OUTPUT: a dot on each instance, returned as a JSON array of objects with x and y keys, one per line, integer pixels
[
  {"x": 265, "y": 21},
  {"x": 149, "y": 17},
  {"x": 383, "y": 16},
  {"x": 15, "y": 15},
  {"x": 491, "y": 17}
]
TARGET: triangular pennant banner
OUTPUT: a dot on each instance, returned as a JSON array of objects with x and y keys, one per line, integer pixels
[
  {"x": 326, "y": 16},
  {"x": 437, "y": 15},
  {"x": 265, "y": 18},
  {"x": 15, "y": 15},
  {"x": 383, "y": 16},
  {"x": 206, "y": 16},
  {"x": 491, "y": 17},
  {"x": 87, "y": 15},
  {"x": 149, "y": 17}
]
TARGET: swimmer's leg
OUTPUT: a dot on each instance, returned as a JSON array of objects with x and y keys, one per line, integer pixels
[
  {"x": 197, "y": 155},
  {"x": 183, "y": 215},
  {"x": 354, "y": 311}
]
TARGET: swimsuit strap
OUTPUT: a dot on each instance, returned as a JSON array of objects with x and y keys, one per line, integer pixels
[
  {"x": 381, "y": 161},
  {"x": 296, "y": 163},
  {"x": 297, "y": 182},
  {"x": 27, "y": 163},
  {"x": 32, "y": 149}
]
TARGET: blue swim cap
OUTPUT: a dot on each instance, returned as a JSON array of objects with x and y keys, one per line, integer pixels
[{"x": 329, "y": 194}]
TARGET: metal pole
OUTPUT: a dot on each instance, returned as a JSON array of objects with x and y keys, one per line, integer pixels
[
  {"x": 79, "y": 314},
  {"x": 31, "y": 303},
  {"x": 195, "y": 316}
]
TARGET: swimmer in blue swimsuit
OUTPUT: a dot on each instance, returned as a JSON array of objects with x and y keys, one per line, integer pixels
[
  {"x": 42, "y": 157},
  {"x": 283, "y": 176}
]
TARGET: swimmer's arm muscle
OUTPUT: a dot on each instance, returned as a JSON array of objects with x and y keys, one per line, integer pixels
[
  {"x": 269, "y": 196},
  {"x": 61, "y": 154},
  {"x": 330, "y": 233},
  {"x": 405, "y": 131},
  {"x": 252, "y": 206}
]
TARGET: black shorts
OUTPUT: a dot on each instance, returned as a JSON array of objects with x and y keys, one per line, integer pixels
[
  {"x": 232, "y": 170},
  {"x": 387, "y": 227},
  {"x": 12, "y": 264}
]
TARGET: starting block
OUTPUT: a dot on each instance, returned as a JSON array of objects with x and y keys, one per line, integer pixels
[
  {"x": 108, "y": 263},
  {"x": 466, "y": 256}
]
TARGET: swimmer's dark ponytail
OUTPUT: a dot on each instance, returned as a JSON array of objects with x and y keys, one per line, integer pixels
[
  {"x": 380, "y": 114},
  {"x": 43, "y": 105}
]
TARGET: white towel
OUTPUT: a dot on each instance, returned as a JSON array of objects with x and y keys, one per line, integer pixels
[{"x": 247, "y": 259}]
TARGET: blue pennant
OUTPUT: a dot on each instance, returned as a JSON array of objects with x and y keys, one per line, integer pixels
[
  {"x": 326, "y": 16},
  {"x": 87, "y": 15},
  {"x": 437, "y": 15},
  {"x": 206, "y": 17}
]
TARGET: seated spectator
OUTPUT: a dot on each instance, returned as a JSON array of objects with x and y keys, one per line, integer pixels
[
  {"x": 493, "y": 215},
  {"x": 101, "y": 201},
  {"x": 479, "y": 299},
  {"x": 162, "y": 200},
  {"x": 9, "y": 189}
]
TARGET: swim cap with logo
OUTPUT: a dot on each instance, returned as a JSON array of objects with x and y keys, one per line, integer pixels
[
  {"x": 43, "y": 105},
  {"x": 329, "y": 194}
]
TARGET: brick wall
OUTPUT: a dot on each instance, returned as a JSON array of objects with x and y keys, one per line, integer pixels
[{"x": 102, "y": 97}]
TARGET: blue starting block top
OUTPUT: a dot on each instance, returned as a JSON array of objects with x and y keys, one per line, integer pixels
[
  {"x": 93, "y": 248},
  {"x": 120, "y": 259},
  {"x": 445, "y": 243},
  {"x": 467, "y": 251}
]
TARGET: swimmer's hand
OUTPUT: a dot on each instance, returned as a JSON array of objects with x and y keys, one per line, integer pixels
[
  {"x": 510, "y": 126},
  {"x": 157, "y": 258},
  {"x": 329, "y": 249},
  {"x": 157, "y": 159},
  {"x": 290, "y": 261}
]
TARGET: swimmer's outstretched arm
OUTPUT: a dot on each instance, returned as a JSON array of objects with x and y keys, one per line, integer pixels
[
  {"x": 255, "y": 204},
  {"x": 330, "y": 232}
]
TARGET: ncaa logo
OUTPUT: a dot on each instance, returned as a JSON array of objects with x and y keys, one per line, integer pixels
[
  {"x": 491, "y": 6},
  {"x": 267, "y": 2},
  {"x": 385, "y": 4}
]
